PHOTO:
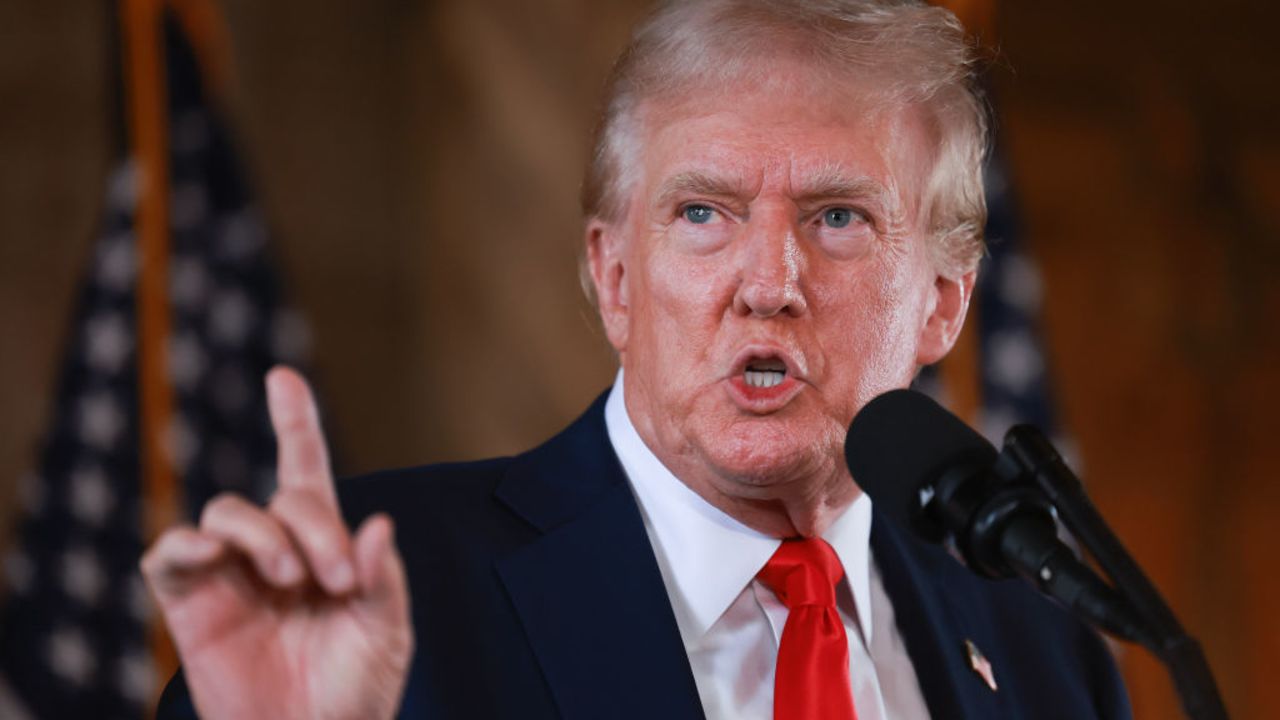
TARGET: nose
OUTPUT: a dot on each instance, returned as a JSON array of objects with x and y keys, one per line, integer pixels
[{"x": 770, "y": 262}]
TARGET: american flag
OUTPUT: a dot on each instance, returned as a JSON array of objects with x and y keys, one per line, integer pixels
[
  {"x": 1014, "y": 379},
  {"x": 73, "y": 628}
]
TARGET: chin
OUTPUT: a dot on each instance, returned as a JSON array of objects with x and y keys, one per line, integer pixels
[{"x": 763, "y": 454}]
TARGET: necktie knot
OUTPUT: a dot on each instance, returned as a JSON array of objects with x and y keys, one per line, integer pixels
[
  {"x": 803, "y": 572},
  {"x": 812, "y": 680}
]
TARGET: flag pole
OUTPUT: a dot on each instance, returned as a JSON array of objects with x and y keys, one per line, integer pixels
[{"x": 147, "y": 102}]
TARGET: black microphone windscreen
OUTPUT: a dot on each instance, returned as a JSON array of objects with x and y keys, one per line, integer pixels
[{"x": 903, "y": 441}]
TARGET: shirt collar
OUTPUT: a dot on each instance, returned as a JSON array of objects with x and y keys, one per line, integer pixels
[{"x": 707, "y": 557}]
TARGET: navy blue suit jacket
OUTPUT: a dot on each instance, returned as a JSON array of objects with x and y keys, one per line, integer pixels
[{"x": 536, "y": 595}]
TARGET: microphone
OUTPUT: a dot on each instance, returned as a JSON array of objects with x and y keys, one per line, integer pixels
[{"x": 930, "y": 472}]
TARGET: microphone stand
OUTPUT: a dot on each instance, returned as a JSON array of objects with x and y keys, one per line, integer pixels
[{"x": 1164, "y": 636}]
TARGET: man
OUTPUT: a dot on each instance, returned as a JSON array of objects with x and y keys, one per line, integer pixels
[{"x": 783, "y": 221}]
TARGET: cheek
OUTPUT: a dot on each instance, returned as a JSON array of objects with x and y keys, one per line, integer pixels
[
  {"x": 874, "y": 329},
  {"x": 687, "y": 288},
  {"x": 677, "y": 302}
]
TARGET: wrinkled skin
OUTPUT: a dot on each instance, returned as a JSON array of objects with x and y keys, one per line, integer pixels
[{"x": 729, "y": 248}]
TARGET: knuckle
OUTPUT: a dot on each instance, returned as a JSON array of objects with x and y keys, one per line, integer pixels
[
  {"x": 220, "y": 508},
  {"x": 295, "y": 501},
  {"x": 232, "y": 516},
  {"x": 158, "y": 557},
  {"x": 309, "y": 519},
  {"x": 325, "y": 539}
]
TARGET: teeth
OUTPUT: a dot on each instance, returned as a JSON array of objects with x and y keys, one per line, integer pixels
[{"x": 763, "y": 378}]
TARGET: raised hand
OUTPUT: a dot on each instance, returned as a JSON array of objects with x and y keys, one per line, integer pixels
[{"x": 279, "y": 612}]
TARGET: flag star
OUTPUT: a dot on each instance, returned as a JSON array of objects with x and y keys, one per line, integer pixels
[
  {"x": 82, "y": 575},
  {"x": 122, "y": 187},
  {"x": 91, "y": 498},
  {"x": 19, "y": 571},
  {"x": 1014, "y": 360},
  {"x": 100, "y": 420},
  {"x": 136, "y": 676},
  {"x": 108, "y": 342},
  {"x": 186, "y": 361},
  {"x": 241, "y": 237},
  {"x": 117, "y": 262},
  {"x": 1020, "y": 284},
  {"x": 231, "y": 317},
  {"x": 189, "y": 206},
  {"x": 188, "y": 283},
  {"x": 70, "y": 656}
]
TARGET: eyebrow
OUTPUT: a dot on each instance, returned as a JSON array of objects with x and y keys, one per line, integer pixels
[
  {"x": 832, "y": 182},
  {"x": 826, "y": 183},
  {"x": 698, "y": 183}
]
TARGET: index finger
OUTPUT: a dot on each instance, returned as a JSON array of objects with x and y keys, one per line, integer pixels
[{"x": 302, "y": 457}]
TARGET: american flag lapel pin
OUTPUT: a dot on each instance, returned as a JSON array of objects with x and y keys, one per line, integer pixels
[{"x": 979, "y": 664}]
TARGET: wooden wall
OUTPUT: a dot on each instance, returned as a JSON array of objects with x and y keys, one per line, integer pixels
[
  {"x": 419, "y": 164},
  {"x": 1143, "y": 142}
]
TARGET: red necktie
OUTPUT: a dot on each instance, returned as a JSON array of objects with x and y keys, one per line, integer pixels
[{"x": 812, "y": 679}]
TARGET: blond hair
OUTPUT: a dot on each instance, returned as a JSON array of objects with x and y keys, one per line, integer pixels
[{"x": 910, "y": 52}]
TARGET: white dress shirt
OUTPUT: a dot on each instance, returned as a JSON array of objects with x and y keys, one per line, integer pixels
[{"x": 729, "y": 621}]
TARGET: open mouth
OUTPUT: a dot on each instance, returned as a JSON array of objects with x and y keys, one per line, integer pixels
[
  {"x": 764, "y": 373},
  {"x": 765, "y": 379}
]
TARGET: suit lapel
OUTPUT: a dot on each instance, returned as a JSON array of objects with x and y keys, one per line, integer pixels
[
  {"x": 588, "y": 590},
  {"x": 938, "y": 610},
  {"x": 595, "y": 610}
]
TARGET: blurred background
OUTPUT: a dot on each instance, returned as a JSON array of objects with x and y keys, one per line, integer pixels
[{"x": 415, "y": 167}]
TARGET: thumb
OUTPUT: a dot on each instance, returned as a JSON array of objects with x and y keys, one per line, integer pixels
[{"x": 384, "y": 593}]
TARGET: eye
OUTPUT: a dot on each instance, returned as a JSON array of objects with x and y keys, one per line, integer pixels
[
  {"x": 698, "y": 214},
  {"x": 838, "y": 217}
]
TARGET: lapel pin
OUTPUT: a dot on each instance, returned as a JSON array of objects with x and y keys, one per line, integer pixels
[{"x": 979, "y": 664}]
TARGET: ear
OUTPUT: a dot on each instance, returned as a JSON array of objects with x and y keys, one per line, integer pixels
[
  {"x": 950, "y": 302},
  {"x": 605, "y": 246}
]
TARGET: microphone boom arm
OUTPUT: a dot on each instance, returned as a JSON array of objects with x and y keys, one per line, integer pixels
[{"x": 1164, "y": 635}]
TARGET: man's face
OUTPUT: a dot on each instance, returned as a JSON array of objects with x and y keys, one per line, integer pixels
[{"x": 771, "y": 276}]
